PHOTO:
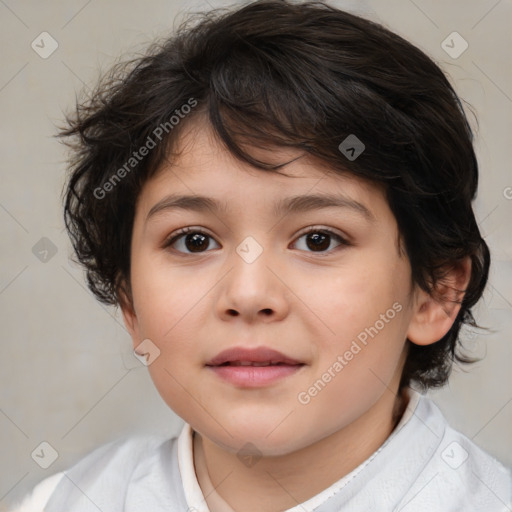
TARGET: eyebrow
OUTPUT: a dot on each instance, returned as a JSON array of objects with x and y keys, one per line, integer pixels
[{"x": 293, "y": 204}]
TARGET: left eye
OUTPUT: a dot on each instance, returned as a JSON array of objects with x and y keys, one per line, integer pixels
[
  {"x": 320, "y": 239},
  {"x": 195, "y": 241}
]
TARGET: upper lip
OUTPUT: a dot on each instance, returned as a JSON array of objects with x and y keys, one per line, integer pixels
[{"x": 255, "y": 355}]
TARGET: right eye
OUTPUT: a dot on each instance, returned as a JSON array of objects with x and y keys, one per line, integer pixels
[{"x": 190, "y": 239}]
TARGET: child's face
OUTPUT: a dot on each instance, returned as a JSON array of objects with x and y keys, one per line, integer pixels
[{"x": 342, "y": 310}]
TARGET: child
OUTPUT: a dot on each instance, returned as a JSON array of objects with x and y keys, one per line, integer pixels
[{"x": 280, "y": 200}]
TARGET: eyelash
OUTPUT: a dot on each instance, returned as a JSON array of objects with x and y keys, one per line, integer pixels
[{"x": 184, "y": 231}]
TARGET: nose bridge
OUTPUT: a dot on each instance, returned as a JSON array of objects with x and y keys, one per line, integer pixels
[{"x": 251, "y": 288}]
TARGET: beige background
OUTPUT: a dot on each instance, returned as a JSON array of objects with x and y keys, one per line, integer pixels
[{"x": 67, "y": 373}]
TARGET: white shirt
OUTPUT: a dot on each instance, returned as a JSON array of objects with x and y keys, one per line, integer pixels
[{"x": 424, "y": 465}]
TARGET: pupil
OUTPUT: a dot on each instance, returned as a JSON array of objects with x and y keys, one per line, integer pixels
[
  {"x": 319, "y": 241},
  {"x": 196, "y": 239}
]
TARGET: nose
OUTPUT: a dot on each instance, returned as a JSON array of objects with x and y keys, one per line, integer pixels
[{"x": 254, "y": 291}]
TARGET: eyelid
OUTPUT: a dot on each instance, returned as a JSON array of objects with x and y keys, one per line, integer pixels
[{"x": 325, "y": 229}]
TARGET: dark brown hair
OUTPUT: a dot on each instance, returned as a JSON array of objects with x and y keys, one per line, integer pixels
[{"x": 306, "y": 76}]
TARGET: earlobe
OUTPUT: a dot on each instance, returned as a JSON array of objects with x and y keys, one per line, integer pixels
[
  {"x": 130, "y": 320},
  {"x": 434, "y": 316},
  {"x": 130, "y": 317}
]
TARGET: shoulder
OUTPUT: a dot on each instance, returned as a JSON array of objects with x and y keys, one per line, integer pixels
[
  {"x": 117, "y": 460},
  {"x": 486, "y": 482},
  {"x": 125, "y": 450},
  {"x": 107, "y": 462},
  {"x": 463, "y": 474},
  {"x": 38, "y": 497}
]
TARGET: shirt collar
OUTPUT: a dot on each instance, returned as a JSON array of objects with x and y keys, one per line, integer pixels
[{"x": 196, "y": 499}]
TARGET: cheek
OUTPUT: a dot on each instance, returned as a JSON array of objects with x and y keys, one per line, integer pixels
[
  {"x": 364, "y": 313},
  {"x": 349, "y": 301},
  {"x": 165, "y": 297},
  {"x": 167, "y": 302},
  {"x": 170, "y": 305}
]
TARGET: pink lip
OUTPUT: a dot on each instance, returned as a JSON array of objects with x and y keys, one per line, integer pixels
[
  {"x": 253, "y": 376},
  {"x": 257, "y": 355}
]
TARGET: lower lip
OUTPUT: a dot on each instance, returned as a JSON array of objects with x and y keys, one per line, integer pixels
[{"x": 254, "y": 376}]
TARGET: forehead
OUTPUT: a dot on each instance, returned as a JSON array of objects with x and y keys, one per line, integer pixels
[{"x": 200, "y": 165}]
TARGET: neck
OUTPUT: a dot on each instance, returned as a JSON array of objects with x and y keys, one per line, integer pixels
[{"x": 281, "y": 482}]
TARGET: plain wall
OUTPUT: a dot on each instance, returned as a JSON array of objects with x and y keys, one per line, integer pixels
[{"x": 67, "y": 372}]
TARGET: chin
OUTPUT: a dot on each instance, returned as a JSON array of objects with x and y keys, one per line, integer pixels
[{"x": 263, "y": 439}]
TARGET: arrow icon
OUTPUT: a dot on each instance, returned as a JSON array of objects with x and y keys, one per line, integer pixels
[
  {"x": 44, "y": 45},
  {"x": 454, "y": 455},
  {"x": 44, "y": 250},
  {"x": 249, "y": 455},
  {"x": 44, "y": 455},
  {"x": 249, "y": 249},
  {"x": 146, "y": 352},
  {"x": 454, "y": 45},
  {"x": 351, "y": 147}
]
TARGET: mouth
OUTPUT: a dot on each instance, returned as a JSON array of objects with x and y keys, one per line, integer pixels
[
  {"x": 255, "y": 363},
  {"x": 250, "y": 368}
]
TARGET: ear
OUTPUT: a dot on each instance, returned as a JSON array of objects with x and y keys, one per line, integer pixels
[
  {"x": 434, "y": 316},
  {"x": 129, "y": 316}
]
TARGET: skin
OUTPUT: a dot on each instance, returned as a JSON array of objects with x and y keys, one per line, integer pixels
[{"x": 309, "y": 304}]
